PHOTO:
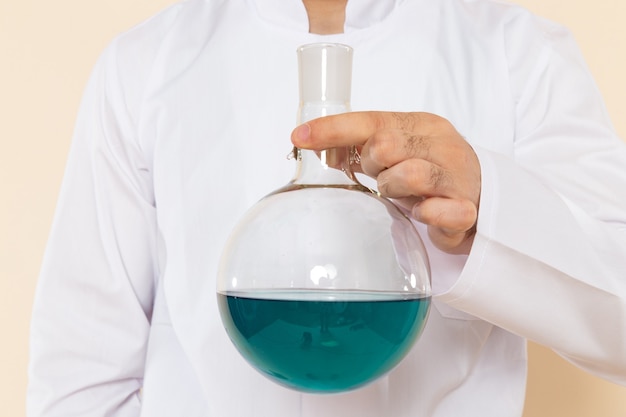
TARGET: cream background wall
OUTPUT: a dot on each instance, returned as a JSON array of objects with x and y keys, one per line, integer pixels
[{"x": 47, "y": 50}]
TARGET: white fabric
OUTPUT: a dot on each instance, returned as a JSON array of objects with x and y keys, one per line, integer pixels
[{"x": 185, "y": 124}]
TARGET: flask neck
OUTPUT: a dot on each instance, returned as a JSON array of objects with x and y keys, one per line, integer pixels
[
  {"x": 325, "y": 72},
  {"x": 328, "y": 166}
]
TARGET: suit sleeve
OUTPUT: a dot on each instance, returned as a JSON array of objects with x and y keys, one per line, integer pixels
[
  {"x": 549, "y": 257},
  {"x": 93, "y": 303}
]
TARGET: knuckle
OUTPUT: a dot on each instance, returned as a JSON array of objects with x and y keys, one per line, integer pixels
[
  {"x": 439, "y": 178},
  {"x": 413, "y": 172},
  {"x": 382, "y": 147},
  {"x": 405, "y": 121},
  {"x": 379, "y": 122},
  {"x": 415, "y": 144},
  {"x": 469, "y": 214}
]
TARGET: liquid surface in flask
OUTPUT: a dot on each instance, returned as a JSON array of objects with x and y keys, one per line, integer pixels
[{"x": 334, "y": 343}]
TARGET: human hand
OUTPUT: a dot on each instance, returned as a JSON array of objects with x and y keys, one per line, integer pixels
[{"x": 418, "y": 159}]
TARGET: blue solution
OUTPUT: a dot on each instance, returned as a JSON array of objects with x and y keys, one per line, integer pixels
[{"x": 331, "y": 345}]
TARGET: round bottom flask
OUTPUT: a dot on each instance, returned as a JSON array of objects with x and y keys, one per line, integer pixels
[{"x": 324, "y": 285}]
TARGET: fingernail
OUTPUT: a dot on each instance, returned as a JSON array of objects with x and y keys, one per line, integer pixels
[{"x": 303, "y": 132}]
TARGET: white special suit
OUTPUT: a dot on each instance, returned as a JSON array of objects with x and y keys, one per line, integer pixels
[{"x": 185, "y": 124}]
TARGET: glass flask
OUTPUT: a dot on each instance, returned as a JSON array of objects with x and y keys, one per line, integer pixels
[{"x": 324, "y": 285}]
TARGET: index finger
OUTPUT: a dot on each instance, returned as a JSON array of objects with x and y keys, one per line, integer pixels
[{"x": 349, "y": 129}]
